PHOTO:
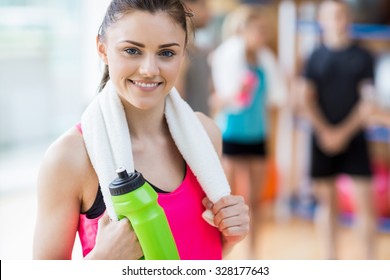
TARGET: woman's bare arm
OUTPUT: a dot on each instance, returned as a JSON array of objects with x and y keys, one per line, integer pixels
[{"x": 59, "y": 192}]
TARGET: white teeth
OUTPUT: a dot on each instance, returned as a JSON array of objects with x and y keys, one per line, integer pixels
[{"x": 146, "y": 85}]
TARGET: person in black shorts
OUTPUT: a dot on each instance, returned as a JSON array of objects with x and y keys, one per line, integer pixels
[
  {"x": 333, "y": 75},
  {"x": 248, "y": 86}
]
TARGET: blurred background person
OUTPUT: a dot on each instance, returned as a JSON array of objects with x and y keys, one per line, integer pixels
[
  {"x": 334, "y": 74},
  {"x": 247, "y": 82},
  {"x": 194, "y": 83}
]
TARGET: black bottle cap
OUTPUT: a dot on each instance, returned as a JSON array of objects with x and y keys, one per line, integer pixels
[{"x": 125, "y": 182}]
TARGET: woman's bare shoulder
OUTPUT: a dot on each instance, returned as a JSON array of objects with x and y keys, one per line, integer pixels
[
  {"x": 68, "y": 150},
  {"x": 66, "y": 159}
]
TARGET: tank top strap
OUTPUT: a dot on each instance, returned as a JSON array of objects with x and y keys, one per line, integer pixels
[{"x": 78, "y": 126}]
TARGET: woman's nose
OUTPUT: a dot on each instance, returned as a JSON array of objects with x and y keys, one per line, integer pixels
[{"x": 149, "y": 67}]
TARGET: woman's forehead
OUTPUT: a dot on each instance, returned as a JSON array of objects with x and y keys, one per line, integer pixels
[{"x": 146, "y": 26}]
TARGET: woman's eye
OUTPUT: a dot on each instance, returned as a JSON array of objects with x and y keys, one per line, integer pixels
[
  {"x": 167, "y": 53},
  {"x": 132, "y": 51}
]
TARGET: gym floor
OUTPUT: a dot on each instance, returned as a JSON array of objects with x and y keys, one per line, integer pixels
[{"x": 296, "y": 239}]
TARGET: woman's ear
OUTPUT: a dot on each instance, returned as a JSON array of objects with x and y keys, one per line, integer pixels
[{"x": 101, "y": 48}]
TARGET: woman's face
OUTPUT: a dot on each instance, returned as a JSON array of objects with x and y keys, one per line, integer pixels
[
  {"x": 255, "y": 33},
  {"x": 143, "y": 52}
]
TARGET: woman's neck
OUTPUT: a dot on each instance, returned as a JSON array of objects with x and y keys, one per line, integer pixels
[{"x": 145, "y": 123}]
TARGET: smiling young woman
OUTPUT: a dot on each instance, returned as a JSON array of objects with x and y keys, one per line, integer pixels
[
  {"x": 142, "y": 43},
  {"x": 143, "y": 62}
]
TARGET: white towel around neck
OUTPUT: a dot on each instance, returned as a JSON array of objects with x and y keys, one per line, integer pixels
[{"x": 108, "y": 143}]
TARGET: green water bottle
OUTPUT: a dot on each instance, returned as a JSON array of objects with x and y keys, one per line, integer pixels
[{"x": 135, "y": 199}]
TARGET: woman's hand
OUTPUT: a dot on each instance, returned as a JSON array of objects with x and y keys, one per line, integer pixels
[
  {"x": 115, "y": 240},
  {"x": 231, "y": 216}
]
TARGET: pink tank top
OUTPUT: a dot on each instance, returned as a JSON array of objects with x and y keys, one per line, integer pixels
[{"x": 195, "y": 238}]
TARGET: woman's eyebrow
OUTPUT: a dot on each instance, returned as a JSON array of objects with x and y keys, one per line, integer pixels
[
  {"x": 134, "y": 43},
  {"x": 143, "y": 46},
  {"x": 169, "y": 45}
]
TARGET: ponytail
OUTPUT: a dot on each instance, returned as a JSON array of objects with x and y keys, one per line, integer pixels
[{"x": 105, "y": 78}]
